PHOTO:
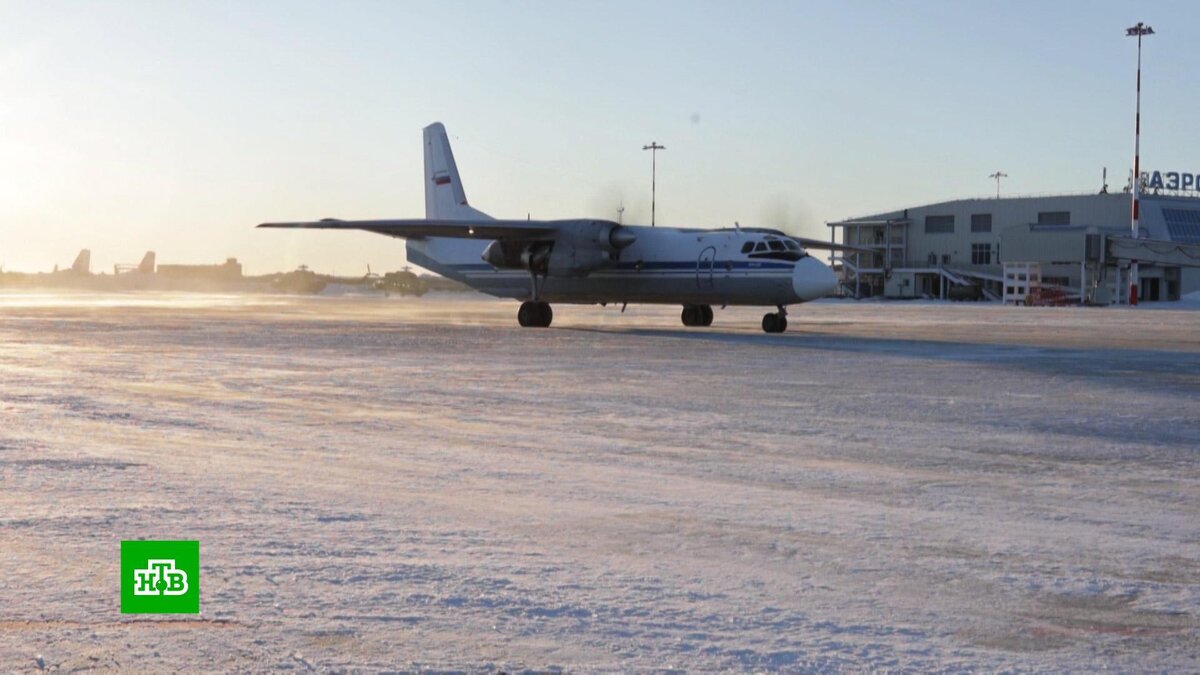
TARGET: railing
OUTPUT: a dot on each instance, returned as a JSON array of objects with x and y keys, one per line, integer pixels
[
  {"x": 880, "y": 245},
  {"x": 957, "y": 266}
]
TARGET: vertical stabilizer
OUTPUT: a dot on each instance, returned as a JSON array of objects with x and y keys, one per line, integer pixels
[
  {"x": 147, "y": 264},
  {"x": 445, "y": 197},
  {"x": 83, "y": 263}
]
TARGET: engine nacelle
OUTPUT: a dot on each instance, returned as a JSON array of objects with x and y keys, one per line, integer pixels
[
  {"x": 536, "y": 257},
  {"x": 518, "y": 255},
  {"x": 578, "y": 249},
  {"x": 588, "y": 246},
  {"x": 505, "y": 255}
]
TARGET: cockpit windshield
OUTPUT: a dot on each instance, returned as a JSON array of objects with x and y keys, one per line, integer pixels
[{"x": 773, "y": 248}]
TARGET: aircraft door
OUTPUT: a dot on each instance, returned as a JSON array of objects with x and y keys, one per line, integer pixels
[{"x": 704, "y": 268}]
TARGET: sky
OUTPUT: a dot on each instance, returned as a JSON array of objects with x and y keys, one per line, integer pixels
[{"x": 128, "y": 126}]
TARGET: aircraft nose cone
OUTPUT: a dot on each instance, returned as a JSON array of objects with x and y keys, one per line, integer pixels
[{"x": 812, "y": 279}]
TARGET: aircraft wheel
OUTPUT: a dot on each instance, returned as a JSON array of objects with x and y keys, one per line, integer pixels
[
  {"x": 688, "y": 316},
  {"x": 697, "y": 315},
  {"x": 535, "y": 315},
  {"x": 774, "y": 323},
  {"x": 525, "y": 315},
  {"x": 530, "y": 315}
]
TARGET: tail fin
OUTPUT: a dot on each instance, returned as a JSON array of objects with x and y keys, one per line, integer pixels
[
  {"x": 147, "y": 264},
  {"x": 444, "y": 194},
  {"x": 83, "y": 262}
]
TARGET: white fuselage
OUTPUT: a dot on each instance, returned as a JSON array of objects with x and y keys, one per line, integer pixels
[{"x": 663, "y": 265}]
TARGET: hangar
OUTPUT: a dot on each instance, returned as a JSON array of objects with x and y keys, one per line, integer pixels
[{"x": 1079, "y": 243}]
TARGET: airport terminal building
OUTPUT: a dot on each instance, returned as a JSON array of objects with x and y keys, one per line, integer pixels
[{"x": 1079, "y": 245}]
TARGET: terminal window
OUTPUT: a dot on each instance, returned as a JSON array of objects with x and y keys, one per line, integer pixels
[
  {"x": 981, "y": 222},
  {"x": 981, "y": 254},
  {"x": 939, "y": 224},
  {"x": 1183, "y": 225},
  {"x": 1054, "y": 218}
]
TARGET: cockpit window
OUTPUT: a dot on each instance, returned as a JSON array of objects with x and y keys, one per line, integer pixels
[
  {"x": 775, "y": 249},
  {"x": 747, "y": 247}
]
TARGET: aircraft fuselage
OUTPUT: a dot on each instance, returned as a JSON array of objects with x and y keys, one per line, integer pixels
[{"x": 663, "y": 265}]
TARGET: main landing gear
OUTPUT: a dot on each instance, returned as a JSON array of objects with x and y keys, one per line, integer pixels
[
  {"x": 775, "y": 323},
  {"x": 697, "y": 315},
  {"x": 535, "y": 314}
]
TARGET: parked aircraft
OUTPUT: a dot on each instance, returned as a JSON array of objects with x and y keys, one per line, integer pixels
[{"x": 590, "y": 261}]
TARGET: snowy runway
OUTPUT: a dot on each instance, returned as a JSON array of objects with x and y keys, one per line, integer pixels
[{"x": 421, "y": 484}]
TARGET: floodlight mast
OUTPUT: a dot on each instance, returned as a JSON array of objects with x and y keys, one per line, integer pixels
[
  {"x": 654, "y": 147},
  {"x": 1139, "y": 30}
]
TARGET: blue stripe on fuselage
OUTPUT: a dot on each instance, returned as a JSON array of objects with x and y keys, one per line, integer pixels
[{"x": 687, "y": 266}]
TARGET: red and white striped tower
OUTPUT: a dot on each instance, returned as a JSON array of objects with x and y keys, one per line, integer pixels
[{"x": 1139, "y": 30}]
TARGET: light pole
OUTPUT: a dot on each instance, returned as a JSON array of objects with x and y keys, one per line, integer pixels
[
  {"x": 1139, "y": 30},
  {"x": 654, "y": 147},
  {"x": 997, "y": 176}
]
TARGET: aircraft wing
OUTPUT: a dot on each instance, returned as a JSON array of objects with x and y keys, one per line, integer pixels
[
  {"x": 829, "y": 245},
  {"x": 417, "y": 228}
]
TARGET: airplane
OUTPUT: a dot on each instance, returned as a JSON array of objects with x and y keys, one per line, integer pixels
[{"x": 592, "y": 261}]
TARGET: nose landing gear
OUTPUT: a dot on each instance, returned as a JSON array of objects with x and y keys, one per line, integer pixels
[
  {"x": 697, "y": 315},
  {"x": 535, "y": 314},
  {"x": 775, "y": 323}
]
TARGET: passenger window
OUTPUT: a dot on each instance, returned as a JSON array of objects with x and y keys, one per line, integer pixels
[
  {"x": 747, "y": 247},
  {"x": 761, "y": 247},
  {"x": 776, "y": 245}
]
